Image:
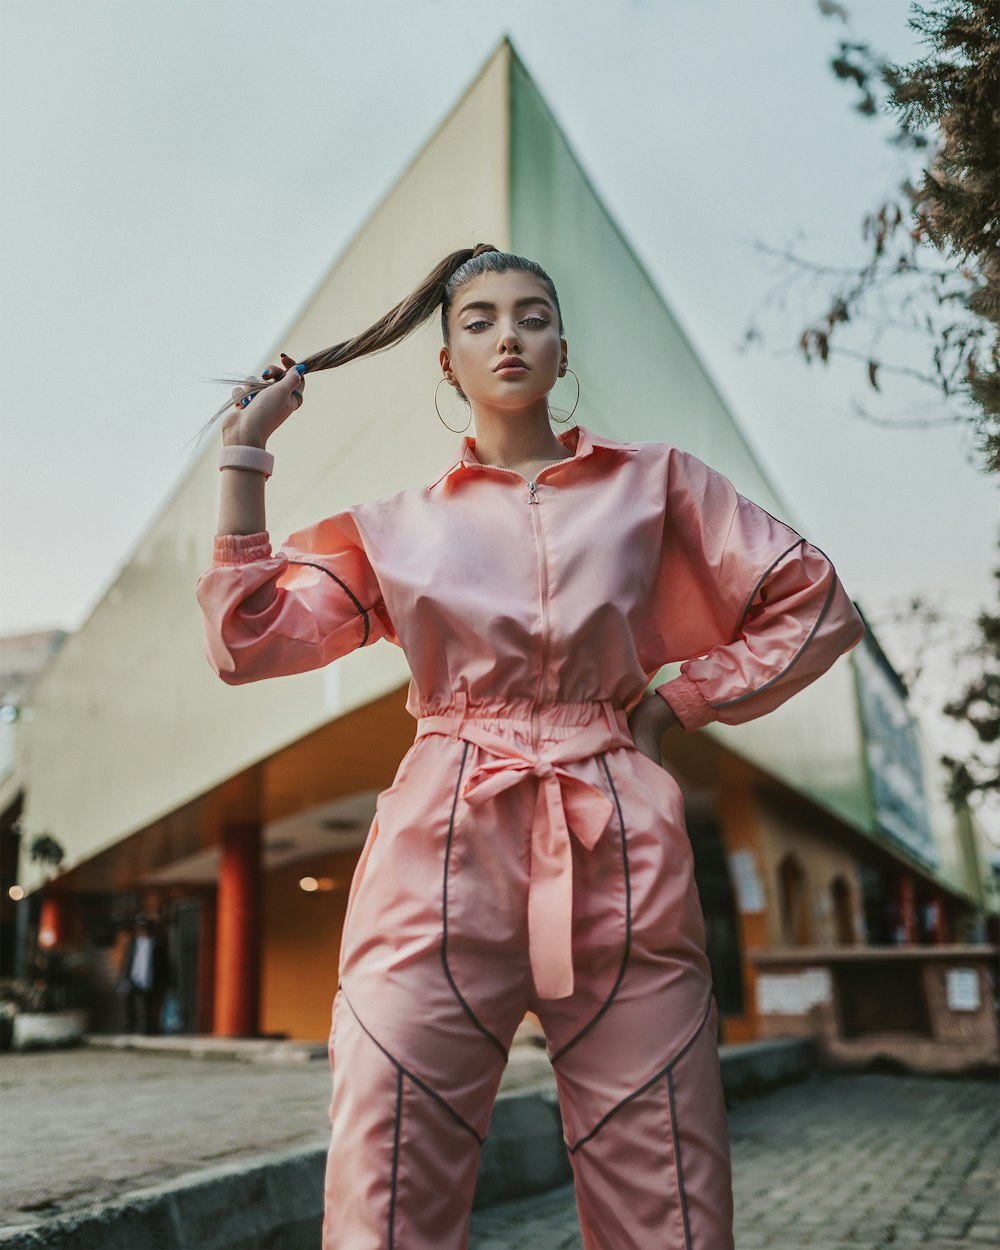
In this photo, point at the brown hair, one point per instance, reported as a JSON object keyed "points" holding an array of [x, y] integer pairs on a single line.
{"points": [[439, 287]]}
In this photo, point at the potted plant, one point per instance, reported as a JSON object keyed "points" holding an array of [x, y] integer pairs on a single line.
{"points": [[49, 1007]]}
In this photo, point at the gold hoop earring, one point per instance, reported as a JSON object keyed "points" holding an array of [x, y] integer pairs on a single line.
{"points": [[442, 420], [563, 420]]}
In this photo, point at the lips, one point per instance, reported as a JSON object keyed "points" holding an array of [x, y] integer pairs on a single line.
{"points": [[510, 362]]}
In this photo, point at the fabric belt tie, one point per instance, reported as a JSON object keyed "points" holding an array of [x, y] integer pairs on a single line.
{"points": [[565, 804]]}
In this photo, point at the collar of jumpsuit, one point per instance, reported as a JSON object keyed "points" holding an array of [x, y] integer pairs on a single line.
{"points": [[565, 805], [580, 440]]}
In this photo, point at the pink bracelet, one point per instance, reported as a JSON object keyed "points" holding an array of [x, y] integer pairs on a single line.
{"points": [[237, 457]]}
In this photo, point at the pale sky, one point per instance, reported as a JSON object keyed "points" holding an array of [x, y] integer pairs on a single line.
{"points": [[178, 175]]}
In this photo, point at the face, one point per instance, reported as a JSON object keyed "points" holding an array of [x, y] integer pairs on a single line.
{"points": [[512, 314]]}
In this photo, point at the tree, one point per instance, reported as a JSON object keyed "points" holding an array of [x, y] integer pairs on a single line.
{"points": [[979, 707], [935, 270], [934, 265]]}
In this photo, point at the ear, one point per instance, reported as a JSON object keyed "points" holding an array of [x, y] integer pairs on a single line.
{"points": [[564, 354], [445, 359]]}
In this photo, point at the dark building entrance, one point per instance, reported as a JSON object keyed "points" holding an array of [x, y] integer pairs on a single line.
{"points": [[722, 943]]}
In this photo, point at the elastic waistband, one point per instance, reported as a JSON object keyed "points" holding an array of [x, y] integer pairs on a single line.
{"points": [[523, 712]]}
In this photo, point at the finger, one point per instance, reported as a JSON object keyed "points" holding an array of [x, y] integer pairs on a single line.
{"points": [[293, 380]]}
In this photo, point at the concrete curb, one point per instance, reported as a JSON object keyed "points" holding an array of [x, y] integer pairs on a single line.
{"points": [[753, 1068], [248, 1050], [275, 1202], [234, 1206]]}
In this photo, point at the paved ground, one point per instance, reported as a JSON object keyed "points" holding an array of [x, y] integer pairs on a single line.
{"points": [[83, 1126], [835, 1161], [856, 1161]]}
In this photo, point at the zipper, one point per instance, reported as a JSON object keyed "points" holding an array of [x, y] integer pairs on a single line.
{"points": [[543, 584], [543, 581], [532, 496]]}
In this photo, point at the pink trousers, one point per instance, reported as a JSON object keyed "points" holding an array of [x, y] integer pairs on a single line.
{"points": [[521, 862]]}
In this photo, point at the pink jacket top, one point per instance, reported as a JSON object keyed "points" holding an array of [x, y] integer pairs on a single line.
{"points": [[576, 587]]}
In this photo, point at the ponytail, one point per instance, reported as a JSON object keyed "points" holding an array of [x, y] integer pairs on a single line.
{"points": [[438, 288]]}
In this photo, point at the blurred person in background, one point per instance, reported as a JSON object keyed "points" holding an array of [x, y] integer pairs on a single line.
{"points": [[143, 976]]}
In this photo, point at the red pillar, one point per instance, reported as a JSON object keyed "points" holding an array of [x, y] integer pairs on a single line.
{"points": [[54, 921], [237, 932]]}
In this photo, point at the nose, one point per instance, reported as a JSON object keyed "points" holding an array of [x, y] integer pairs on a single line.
{"points": [[509, 341]]}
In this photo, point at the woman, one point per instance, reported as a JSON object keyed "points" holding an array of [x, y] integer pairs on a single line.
{"points": [[531, 852]]}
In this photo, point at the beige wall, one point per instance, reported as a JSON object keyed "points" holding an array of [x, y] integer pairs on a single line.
{"points": [[641, 378], [130, 722]]}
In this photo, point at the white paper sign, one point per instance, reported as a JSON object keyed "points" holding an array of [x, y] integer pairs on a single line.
{"points": [[746, 883], [792, 994], [963, 989]]}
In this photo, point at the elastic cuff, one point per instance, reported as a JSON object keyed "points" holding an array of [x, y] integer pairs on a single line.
{"points": [[241, 548], [689, 704]]}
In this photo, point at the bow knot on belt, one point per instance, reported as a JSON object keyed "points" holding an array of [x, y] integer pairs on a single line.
{"points": [[571, 804], [565, 805]]}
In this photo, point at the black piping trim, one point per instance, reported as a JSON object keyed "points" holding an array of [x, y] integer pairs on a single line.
{"points": [[763, 577], [808, 639], [414, 1078], [776, 519], [395, 1156], [487, 1033], [628, 925], [347, 590], [642, 1088], [677, 1161]]}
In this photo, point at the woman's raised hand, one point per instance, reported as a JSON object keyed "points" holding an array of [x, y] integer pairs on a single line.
{"points": [[253, 423]]}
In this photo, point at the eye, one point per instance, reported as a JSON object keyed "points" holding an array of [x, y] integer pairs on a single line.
{"points": [[542, 321]]}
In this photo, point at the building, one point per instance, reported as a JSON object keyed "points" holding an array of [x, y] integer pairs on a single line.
{"points": [[237, 813]]}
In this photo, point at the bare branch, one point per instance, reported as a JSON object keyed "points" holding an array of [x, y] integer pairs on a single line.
{"points": [[903, 423]]}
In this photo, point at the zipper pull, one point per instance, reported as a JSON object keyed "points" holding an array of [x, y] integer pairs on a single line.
{"points": [[532, 493]]}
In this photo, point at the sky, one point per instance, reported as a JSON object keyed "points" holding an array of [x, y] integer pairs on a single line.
{"points": [[177, 176]]}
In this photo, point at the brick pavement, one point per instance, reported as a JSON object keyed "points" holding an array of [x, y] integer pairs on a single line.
{"points": [[859, 1161]]}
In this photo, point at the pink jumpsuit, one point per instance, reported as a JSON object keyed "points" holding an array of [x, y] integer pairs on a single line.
{"points": [[527, 855]]}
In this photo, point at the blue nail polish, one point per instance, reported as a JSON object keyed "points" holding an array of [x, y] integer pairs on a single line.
{"points": [[266, 373], [244, 402], [300, 368]]}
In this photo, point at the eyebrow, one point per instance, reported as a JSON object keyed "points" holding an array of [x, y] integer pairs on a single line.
{"points": [[528, 299]]}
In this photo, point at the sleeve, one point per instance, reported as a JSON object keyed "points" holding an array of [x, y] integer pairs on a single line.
{"points": [[754, 611], [326, 601]]}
